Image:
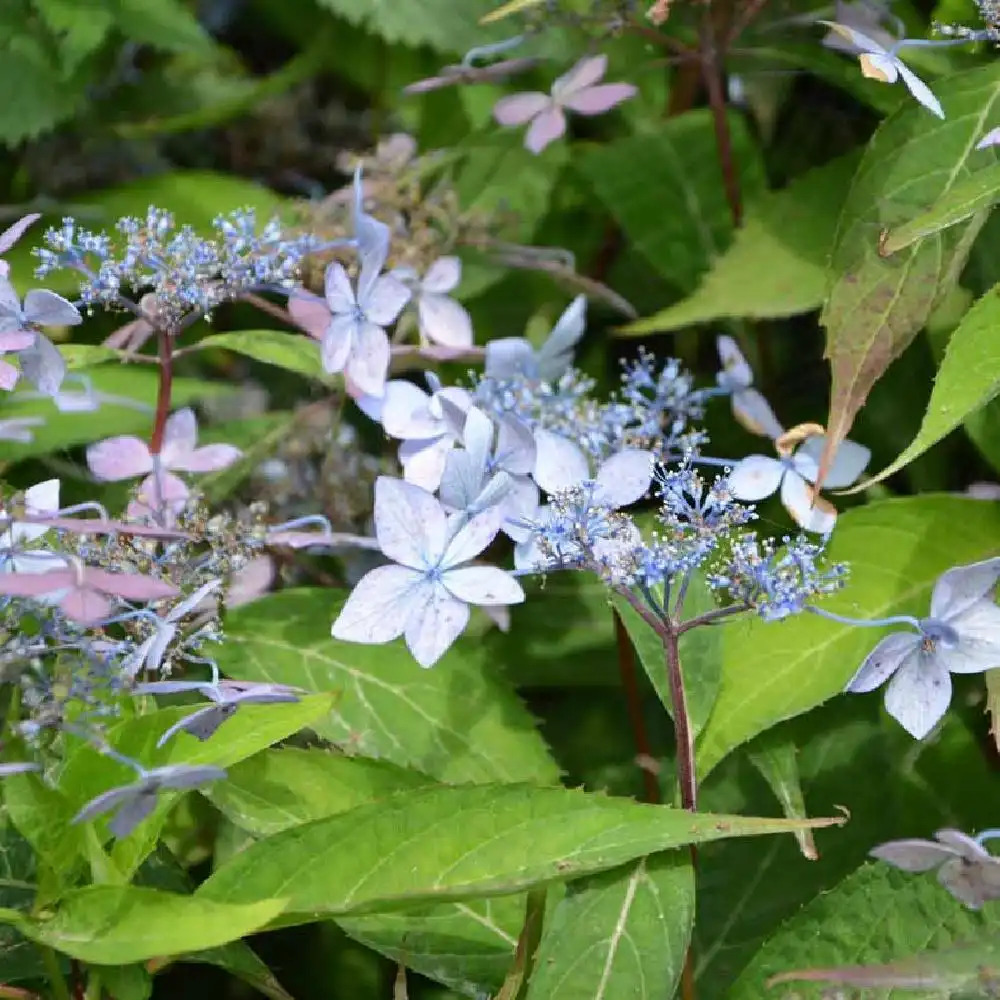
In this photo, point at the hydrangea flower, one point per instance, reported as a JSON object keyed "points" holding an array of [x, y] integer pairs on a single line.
{"points": [[750, 408], [578, 90], [509, 357], [18, 429], [757, 476], [40, 361], [961, 636], [424, 595], [39, 500], [486, 472], [150, 652], [11, 235], [126, 456], [134, 802], [354, 340], [965, 868], [881, 63], [442, 319], [428, 424], [992, 138], [83, 592], [227, 696]]}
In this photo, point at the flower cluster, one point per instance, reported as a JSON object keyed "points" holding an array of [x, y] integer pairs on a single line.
{"points": [[182, 274]]}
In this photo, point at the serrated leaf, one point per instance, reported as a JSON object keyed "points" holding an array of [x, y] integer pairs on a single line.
{"points": [[965, 199], [440, 24], [896, 549], [116, 925], [37, 96], [775, 756], [80, 25], [792, 230], [457, 722], [277, 789], [622, 935], [409, 849], [284, 349], [163, 24], [665, 190], [877, 914], [968, 379], [877, 304]]}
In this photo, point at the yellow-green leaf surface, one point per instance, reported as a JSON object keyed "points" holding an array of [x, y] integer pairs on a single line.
{"points": [[621, 935], [460, 842], [283, 348], [969, 377], [965, 199], [895, 549], [116, 925], [877, 303], [459, 721], [776, 264]]}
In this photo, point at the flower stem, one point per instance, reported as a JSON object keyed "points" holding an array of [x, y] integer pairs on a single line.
{"points": [[57, 981], [686, 776], [163, 391]]}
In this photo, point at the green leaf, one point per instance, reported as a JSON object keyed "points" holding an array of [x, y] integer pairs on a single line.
{"points": [[126, 982], [467, 945], [19, 958], [86, 355], [116, 925], [877, 914], [87, 772], [457, 722], [276, 789], [164, 24], [622, 935], [67, 430], [877, 304], [409, 848], [562, 635], [968, 197], [665, 190], [968, 379], [37, 97], [700, 655], [438, 24], [43, 815], [284, 349], [895, 549], [792, 230], [81, 26], [195, 197], [775, 756]]}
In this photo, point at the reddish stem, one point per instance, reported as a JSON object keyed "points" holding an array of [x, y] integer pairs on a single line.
{"points": [[164, 389], [626, 667]]}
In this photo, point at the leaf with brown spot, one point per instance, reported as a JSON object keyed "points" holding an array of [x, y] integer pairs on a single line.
{"points": [[877, 304]]}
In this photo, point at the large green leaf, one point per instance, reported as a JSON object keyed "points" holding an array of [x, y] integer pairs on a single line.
{"points": [[968, 379], [877, 303], [622, 935], [876, 915], [67, 430], [164, 24], [116, 925], [895, 549], [775, 756], [19, 958], [791, 230], [276, 789], [456, 722], [665, 190], [410, 849]]}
